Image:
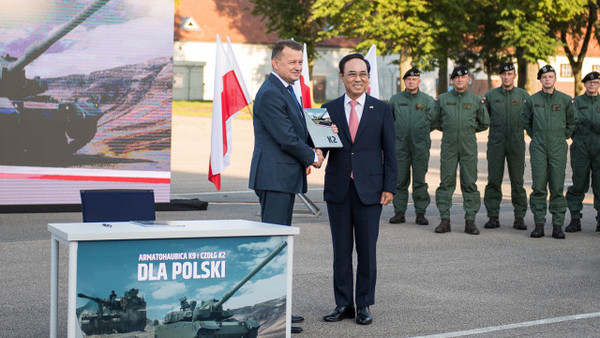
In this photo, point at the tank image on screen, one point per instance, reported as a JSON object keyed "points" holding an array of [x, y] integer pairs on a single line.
{"points": [[34, 126], [114, 315], [210, 319]]}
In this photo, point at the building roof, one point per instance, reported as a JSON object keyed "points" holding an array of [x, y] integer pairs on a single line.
{"points": [[231, 18]]}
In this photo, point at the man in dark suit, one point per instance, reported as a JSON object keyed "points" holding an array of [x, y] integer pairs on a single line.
{"points": [[281, 142], [360, 177]]}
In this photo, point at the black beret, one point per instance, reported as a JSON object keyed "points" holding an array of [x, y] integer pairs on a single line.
{"points": [[459, 71], [591, 76], [506, 67], [544, 70], [412, 72]]}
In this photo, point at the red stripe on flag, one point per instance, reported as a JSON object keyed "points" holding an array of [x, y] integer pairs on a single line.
{"points": [[306, 101], [8, 176], [215, 179], [232, 101]]}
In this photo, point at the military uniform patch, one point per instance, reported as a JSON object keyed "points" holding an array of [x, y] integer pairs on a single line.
{"points": [[420, 106], [451, 103], [598, 109], [514, 102], [467, 106], [539, 105], [556, 107], [498, 100], [403, 104]]}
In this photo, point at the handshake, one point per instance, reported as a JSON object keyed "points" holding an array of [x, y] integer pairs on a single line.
{"points": [[320, 158]]}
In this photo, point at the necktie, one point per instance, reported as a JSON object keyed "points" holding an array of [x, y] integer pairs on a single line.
{"points": [[291, 90], [353, 123]]}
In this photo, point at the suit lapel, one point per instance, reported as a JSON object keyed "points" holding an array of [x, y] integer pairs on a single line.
{"points": [[342, 122], [294, 113]]}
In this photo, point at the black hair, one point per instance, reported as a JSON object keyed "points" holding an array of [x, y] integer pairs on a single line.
{"points": [[353, 56]]}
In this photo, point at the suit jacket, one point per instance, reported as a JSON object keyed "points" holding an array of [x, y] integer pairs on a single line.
{"points": [[371, 158], [281, 141]]}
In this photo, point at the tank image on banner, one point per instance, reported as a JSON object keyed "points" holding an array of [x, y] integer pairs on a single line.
{"points": [[85, 85], [207, 287]]}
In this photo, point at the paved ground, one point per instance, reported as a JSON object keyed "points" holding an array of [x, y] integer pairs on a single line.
{"points": [[498, 284]]}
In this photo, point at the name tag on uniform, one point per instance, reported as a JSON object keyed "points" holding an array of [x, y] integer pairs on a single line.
{"points": [[419, 106], [498, 100], [403, 104], [451, 103], [539, 105], [556, 107], [515, 102], [585, 107], [467, 106], [598, 109]]}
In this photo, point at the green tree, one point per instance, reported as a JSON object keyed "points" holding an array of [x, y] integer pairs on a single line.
{"points": [[291, 19], [394, 26], [575, 35], [527, 29]]}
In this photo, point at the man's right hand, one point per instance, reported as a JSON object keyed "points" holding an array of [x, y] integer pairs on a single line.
{"points": [[320, 159]]}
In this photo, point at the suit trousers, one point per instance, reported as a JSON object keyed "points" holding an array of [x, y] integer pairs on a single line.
{"points": [[353, 222], [276, 206]]}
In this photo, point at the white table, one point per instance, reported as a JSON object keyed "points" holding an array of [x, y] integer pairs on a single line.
{"points": [[71, 234]]}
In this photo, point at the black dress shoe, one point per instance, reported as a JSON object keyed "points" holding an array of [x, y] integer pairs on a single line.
{"points": [[363, 317], [296, 329], [339, 313], [297, 319]]}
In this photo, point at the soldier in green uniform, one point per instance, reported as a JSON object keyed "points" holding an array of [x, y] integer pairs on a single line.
{"points": [[459, 114], [412, 115], [549, 119], [585, 152], [505, 142]]}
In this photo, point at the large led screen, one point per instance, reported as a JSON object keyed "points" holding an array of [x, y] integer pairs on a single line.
{"points": [[85, 98]]}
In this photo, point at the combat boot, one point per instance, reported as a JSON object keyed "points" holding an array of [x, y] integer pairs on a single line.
{"points": [[398, 218], [470, 227], [421, 220], [538, 231], [574, 226], [557, 232], [519, 224], [444, 226], [494, 222]]}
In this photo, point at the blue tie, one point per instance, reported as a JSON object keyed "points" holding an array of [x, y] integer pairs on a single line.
{"points": [[291, 90]]}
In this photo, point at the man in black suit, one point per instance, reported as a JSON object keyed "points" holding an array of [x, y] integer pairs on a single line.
{"points": [[360, 177], [281, 142]]}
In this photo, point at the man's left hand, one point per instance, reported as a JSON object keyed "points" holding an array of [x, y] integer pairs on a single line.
{"points": [[386, 198]]}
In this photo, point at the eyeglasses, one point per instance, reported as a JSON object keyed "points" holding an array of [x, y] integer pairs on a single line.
{"points": [[354, 75], [593, 82]]}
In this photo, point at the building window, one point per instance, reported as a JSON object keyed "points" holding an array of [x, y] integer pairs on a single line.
{"points": [[565, 70], [595, 68]]}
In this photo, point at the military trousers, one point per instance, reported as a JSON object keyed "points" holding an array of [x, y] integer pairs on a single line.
{"points": [[418, 161], [548, 173], [583, 163], [450, 159], [514, 154]]}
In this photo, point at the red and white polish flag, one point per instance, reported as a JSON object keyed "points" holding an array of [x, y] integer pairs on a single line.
{"points": [[231, 96]]}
